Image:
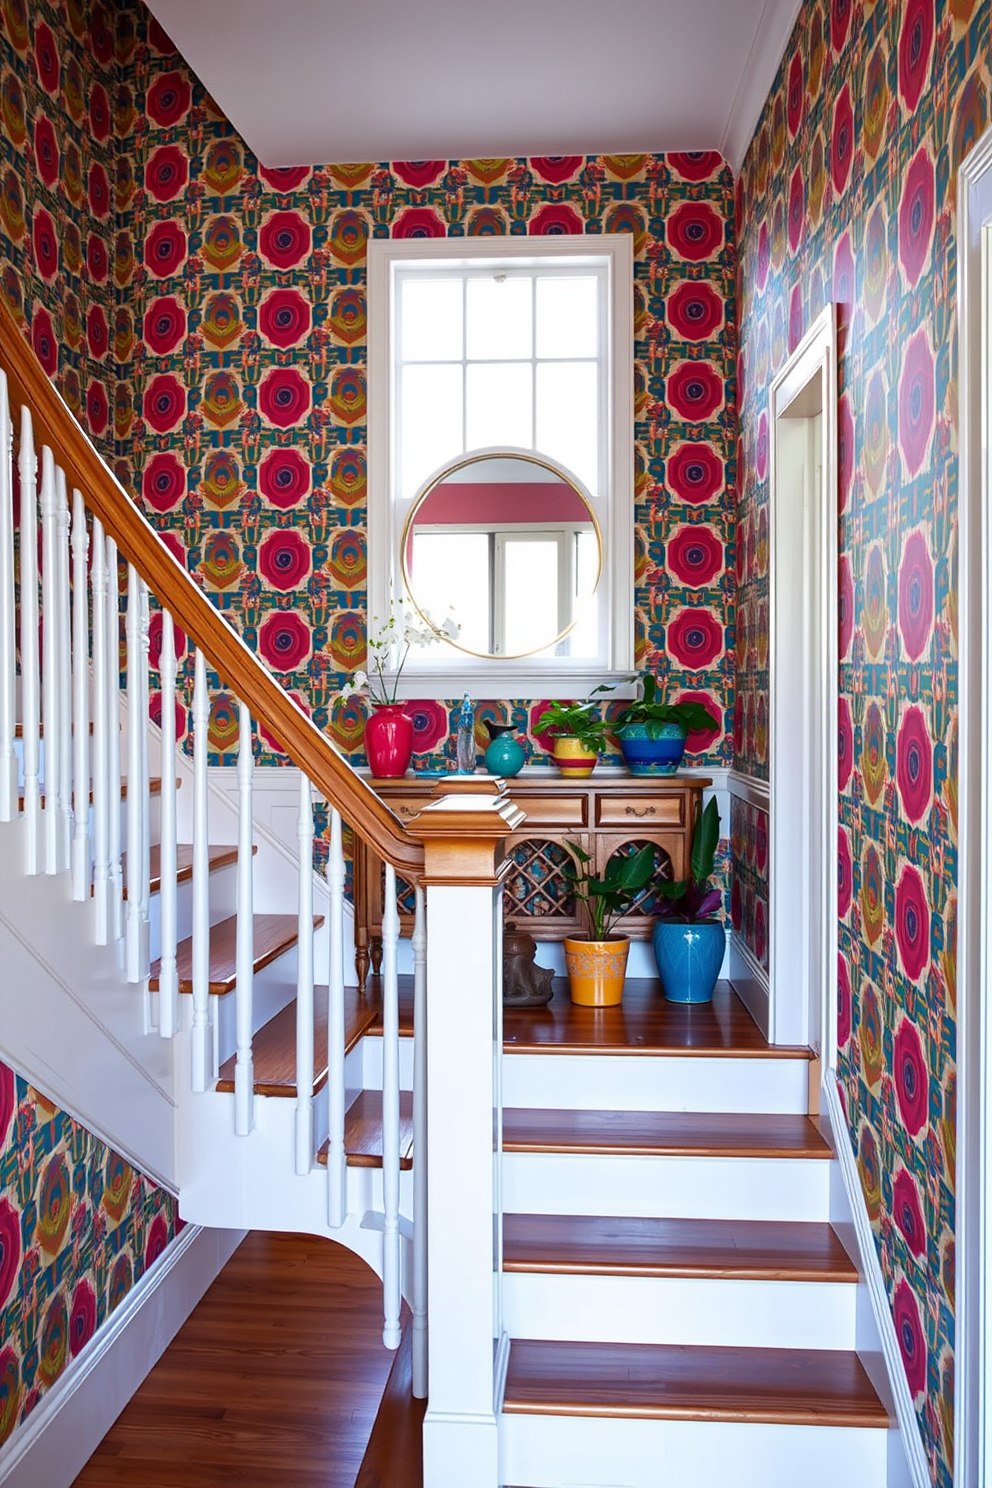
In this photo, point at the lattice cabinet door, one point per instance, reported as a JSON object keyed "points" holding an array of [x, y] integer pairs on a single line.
{"points": [[536, 891], [640, 923]]}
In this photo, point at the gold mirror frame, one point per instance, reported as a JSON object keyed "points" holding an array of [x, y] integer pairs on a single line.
{"points": [[452, 468]]}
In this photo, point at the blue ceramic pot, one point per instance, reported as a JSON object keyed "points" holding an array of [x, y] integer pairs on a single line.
{"points": [[505, 755], [689, 958], [646, 756]]}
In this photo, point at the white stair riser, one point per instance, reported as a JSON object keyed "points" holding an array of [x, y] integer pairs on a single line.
{"points": [[372, 1062], [273, 988], [710, 1312], [646, 1082], [591, 1452], [666, 1187], [223, 894]]}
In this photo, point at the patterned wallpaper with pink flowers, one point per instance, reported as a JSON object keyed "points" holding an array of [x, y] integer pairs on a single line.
{"points": [[847, 195], [78, 1227]]}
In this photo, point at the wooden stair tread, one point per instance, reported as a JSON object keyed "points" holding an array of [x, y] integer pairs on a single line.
{"points": [[217, 857], [668, 1133], [643, 1023], [273, 934], [274, 1045], [813, 1387], [154, 789], [766, 1250], [363, 1131]]}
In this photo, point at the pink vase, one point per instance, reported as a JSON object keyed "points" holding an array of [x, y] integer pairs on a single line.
{"points": [[388, 740]]}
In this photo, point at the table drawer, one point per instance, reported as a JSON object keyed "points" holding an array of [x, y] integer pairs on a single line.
{"points": [[551, 811], [655, 811]]}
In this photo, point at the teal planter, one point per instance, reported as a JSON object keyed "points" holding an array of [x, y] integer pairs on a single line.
{"points": [[646, 756], [505, 755], [689, 958]]}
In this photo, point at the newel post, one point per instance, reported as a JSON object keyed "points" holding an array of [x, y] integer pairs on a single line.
{"points": [[463, 833]]}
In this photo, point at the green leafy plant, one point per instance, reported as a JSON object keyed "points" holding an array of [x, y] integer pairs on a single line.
{"points": [[579, 720], [692, 899], [624, 884], [651, 711]]}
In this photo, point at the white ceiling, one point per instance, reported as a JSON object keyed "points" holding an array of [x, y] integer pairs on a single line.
{"points": [[316, 81]]}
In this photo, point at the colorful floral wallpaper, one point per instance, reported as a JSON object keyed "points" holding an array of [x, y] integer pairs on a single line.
{"points": [[78, 1227], [749, 881], [847, 195]]}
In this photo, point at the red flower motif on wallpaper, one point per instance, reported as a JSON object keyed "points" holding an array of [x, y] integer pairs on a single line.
{"points": [[695, 231], [164, 325], [796, 96], [46, 150], [97, 332], [912, 932], [97, 409], [914, 764], [797, 209], [695, 310], [917, 399], [843, 1002], [845, 744], [101, 35], [430, 724], [695, 391], [82, 1317], [46, 56], [797, 317], [96, 258], [845, 873], [698, 741], [43, 340], [46, 245], [695, 638], [167, 173], [418, 222], [907, 1210], [695, 165], [156, 625], [840, 24], [284, 178], [764, 256], [916, 601], [168, 99], [99, 113], [694, 555], [553, 220], [284, 396], [10, 1249], [916, 215], [285, 239], [158, 1239], [284, 317], [695, 473], [556, 168], [284, 558], [418, 173], [164, 402], [842, 141], [915, 51], [165, 249], [163, 483], [99, 190], [180, 719], [284, 640], [284, 477]]}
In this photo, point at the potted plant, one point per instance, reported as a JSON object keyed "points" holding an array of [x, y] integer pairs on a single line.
{"points": [[579, 735], [689, 939], [597, 964], [652, 734]]}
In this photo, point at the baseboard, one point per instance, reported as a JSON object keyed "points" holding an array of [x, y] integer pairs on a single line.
{"points": [[881, 1356], [750, 981], [72, 1418]]}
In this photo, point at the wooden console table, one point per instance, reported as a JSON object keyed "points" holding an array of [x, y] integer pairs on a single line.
{"points": [[612, 811]]}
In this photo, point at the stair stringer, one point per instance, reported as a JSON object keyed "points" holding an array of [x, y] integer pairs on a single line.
{"points": [[71, 1024], [875, 1335]]}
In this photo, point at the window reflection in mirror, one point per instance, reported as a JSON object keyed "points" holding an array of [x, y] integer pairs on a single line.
{"points": [[508, 546]]}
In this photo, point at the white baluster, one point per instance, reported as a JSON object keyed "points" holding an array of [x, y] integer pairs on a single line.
{"points": [[113, 706], [201, 1053], [81, 849], [304, 986], [136, 923], [64, 670], [390, 1116], [8, 611], [102, 800], [30, 676], [50, 660], [337, 1165], [168, 986], [419, 946], [244, 1069]]}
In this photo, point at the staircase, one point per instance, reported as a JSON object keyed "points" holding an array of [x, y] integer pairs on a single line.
{"points": [[635, 1285]]}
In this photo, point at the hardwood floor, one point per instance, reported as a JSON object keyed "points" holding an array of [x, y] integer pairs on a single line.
{"points": [[275, 1379]]}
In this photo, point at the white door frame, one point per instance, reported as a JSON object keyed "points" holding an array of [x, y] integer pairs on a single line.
{"points": [[803, 697], [973, 1237]]}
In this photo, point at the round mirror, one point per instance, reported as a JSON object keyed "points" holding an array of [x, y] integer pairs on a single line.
{"points": [[507, 546]]}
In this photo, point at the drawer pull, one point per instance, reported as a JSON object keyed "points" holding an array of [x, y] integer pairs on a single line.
{"points": [[641, 811]]}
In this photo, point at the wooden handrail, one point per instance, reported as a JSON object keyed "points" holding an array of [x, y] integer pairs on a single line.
{"points": [[172, 586]]}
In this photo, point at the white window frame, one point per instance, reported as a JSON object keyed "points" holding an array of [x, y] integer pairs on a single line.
{"points": [[525, 678]]}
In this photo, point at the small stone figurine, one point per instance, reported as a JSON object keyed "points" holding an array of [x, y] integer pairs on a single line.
{"points": [[525, 984]]}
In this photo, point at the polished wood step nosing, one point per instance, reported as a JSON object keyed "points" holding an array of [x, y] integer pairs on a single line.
{"points": [[712, 1249], [663, 1134], [274, 1046], [363, 1131], [274, 934]]}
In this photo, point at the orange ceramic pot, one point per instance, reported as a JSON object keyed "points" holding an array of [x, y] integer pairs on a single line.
{"points": [[572, 758], [596, 970]]}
